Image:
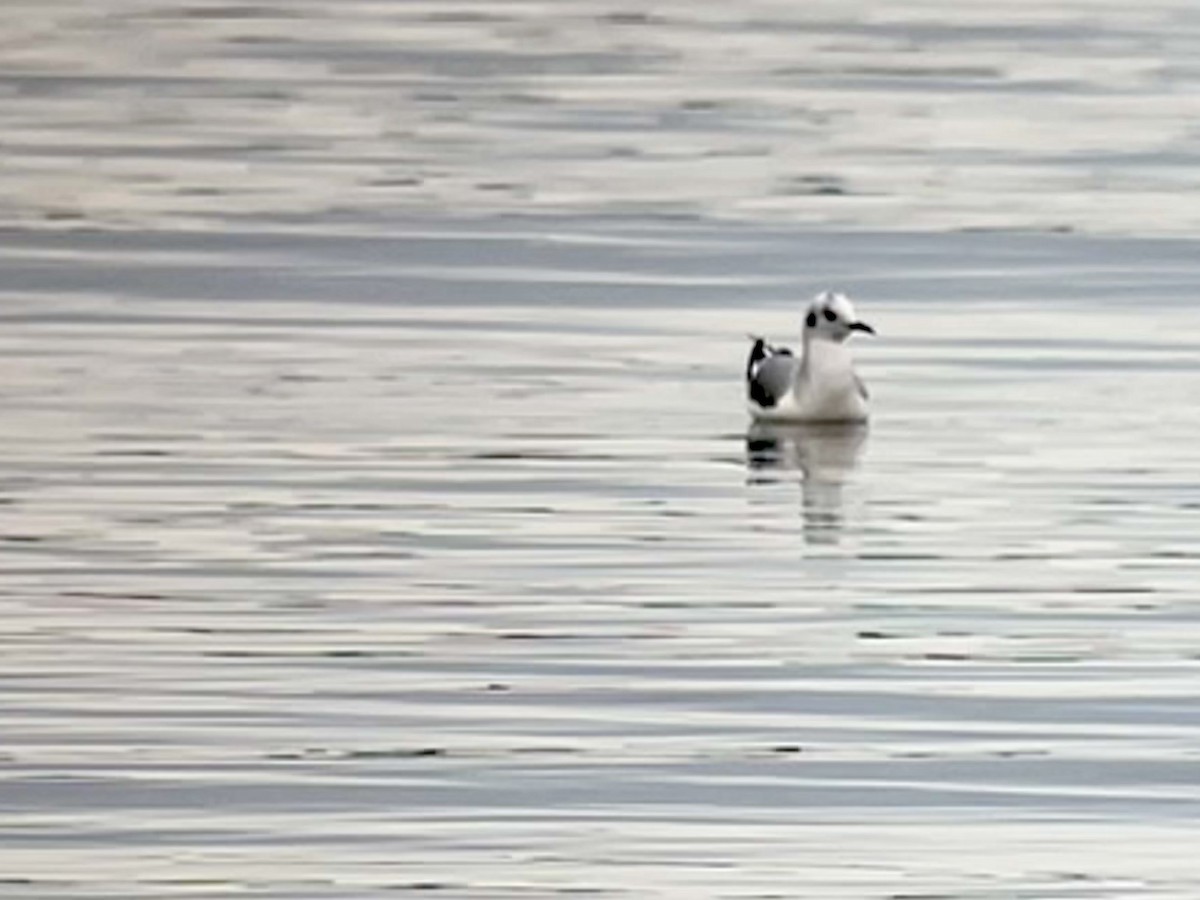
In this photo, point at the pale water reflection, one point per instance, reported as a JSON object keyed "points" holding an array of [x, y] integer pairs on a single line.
{"points": [[822, 456], [929, 115]]}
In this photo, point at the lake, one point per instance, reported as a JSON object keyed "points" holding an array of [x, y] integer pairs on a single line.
{"points": [[379, 512]]}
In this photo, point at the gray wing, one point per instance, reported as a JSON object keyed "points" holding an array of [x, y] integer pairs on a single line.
{"points": [[771, 378], [862, 388]]}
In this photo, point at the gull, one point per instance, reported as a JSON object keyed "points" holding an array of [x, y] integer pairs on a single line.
{"points": [[821, 385]]}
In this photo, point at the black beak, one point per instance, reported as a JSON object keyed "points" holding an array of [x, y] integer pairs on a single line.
{"points": [[861, 326]]}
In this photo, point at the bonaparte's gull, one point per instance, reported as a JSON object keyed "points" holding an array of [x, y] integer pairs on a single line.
{"points": [[821, 385]]}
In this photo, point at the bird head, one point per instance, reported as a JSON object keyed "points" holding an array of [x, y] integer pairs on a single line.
{"points": [[831, 317]]}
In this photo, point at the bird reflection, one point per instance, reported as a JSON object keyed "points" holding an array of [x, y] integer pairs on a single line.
{"points": [[824, 456]]}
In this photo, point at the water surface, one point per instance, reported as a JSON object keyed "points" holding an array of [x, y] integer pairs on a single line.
{"points": [[378, 511]]}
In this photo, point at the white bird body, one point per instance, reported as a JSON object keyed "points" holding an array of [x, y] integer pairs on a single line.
{"points": [[820, 386]]}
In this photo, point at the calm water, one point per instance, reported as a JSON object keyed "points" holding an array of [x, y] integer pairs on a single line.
{"points": [[378, 511]]}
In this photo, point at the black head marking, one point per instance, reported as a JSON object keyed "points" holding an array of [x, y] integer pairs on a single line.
{"points": [[829, 314], [811, 319]]}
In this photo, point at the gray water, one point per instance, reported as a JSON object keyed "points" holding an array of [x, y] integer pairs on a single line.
{"points": [[378, 511]]}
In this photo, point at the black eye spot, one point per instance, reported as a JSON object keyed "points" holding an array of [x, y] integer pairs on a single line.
{"points": [[830, 315], [811, 320]]}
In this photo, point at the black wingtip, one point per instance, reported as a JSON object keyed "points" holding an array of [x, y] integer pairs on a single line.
{"points": [[757, 354]]}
